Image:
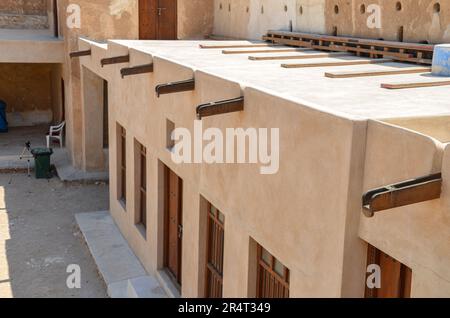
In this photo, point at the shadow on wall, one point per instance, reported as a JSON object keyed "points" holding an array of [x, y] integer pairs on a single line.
{"points": [[31, 92]]}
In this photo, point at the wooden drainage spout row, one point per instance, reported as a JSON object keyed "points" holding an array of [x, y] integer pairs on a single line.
{"points": [[402, 194], [221, 107], [204, 110], [115, 60], [80, 53], [135, 70], [175, 87]]}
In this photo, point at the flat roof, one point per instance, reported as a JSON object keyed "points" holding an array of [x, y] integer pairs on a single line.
{"points": [[360, 96]]}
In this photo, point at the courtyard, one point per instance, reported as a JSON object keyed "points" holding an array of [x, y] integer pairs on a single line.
{"points": [[39, 238]]}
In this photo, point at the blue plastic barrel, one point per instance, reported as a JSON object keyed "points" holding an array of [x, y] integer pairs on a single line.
{"points": [[3, 121]]}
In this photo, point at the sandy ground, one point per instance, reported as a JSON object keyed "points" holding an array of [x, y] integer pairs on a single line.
{"points": [[39, 238]]}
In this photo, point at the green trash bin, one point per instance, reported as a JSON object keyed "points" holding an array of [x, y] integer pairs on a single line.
{"points": [[42, 162]]}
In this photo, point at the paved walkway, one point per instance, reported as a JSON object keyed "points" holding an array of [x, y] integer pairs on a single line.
{"points": [[124, 275]]}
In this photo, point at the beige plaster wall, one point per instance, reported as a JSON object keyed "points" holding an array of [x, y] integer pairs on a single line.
{"points": [[245, 19], [195, 18], [436, 127], [420, 21], [301, 228], [311, 219], [415, 235]]}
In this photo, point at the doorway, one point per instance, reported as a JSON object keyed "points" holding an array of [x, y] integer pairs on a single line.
{"points": [[157, 19], [173, 225]]}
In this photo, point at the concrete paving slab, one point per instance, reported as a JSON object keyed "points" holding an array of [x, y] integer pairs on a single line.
{"points": [[118, 290], [67, 173], [118, 265], [115, 259], [145, 287]]}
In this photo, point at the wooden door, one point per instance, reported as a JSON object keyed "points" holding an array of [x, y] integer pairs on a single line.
{"points": [[167, 19], [395, 276], [174, 225], [158, 19]]}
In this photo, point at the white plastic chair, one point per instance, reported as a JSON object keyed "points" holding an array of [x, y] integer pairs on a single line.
{"points": [[56, 132]]}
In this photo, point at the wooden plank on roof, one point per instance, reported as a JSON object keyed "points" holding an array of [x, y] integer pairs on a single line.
{"points": [[297, 57], [266, 51], [367, 73], [338, 63], [231, 46], [404, 85]]}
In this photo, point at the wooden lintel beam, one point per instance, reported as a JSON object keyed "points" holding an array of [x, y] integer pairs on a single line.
{"points": [[403, 85], [135, 70], [175, 87], [337, 63], [393, 71], [402, 194], [115, 60], [221, 107], [80, 53]]}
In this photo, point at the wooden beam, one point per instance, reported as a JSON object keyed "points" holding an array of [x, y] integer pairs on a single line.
{"points": [[222, 46], [404, 85], [175, 87], [221, 107], [296, 57], [402, 194], [135, 70], [266, 51], [337, 63], [115, 60], [393, 71], [371, 51], [80, 53]]}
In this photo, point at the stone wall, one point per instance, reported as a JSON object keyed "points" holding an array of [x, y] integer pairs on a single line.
{"points": [[29, 7], [24, 14]]}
